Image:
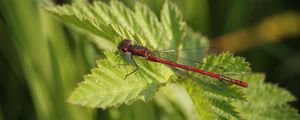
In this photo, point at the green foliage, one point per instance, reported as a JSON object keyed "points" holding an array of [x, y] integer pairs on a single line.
{"points": [[217, 96], [266, 101], [105, 86], [115, 21], [41, 68]]}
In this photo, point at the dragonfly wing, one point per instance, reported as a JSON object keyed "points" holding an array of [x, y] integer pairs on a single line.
{"points": [[186, 57]]}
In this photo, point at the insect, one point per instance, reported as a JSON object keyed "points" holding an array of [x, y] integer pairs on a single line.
{"points": [[130, 50]]}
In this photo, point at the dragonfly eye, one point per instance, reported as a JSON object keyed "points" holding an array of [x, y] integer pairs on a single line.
{"points": [[124, 45], [124, 49]]}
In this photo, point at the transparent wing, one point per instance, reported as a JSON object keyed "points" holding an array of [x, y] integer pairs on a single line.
{"points": [[187, 56]]}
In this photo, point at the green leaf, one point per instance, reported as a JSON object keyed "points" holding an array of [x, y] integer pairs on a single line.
{"points": [[113, 23], [211, 97], [106, 87], [173, 25], [266, 101]]}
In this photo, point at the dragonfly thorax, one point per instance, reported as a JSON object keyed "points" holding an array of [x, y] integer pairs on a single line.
{"points": [[126, 47]]}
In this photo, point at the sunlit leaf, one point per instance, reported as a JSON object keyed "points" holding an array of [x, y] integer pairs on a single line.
{"points": [[212, 97], [106, 87], [266, 101]]}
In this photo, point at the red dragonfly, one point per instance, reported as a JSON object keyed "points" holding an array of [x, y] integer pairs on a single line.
{"points": [[129, 49]]}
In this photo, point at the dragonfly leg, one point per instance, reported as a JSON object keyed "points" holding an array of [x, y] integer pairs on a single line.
{"points": [[131, 73], [136, 68]]}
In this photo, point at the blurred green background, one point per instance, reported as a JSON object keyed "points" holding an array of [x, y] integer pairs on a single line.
{"points": [[42, 60]]}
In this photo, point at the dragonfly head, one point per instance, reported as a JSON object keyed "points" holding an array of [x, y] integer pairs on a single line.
{"points": [[124, 45]]}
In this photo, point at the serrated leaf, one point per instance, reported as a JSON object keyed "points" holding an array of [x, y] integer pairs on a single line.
{"points": [[106, 87], [173, 25], [115, 22], [266, 101], [211, 97], [107, 21]]}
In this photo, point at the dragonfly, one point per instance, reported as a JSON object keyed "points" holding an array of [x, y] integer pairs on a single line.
{"points": [[129, 49]]}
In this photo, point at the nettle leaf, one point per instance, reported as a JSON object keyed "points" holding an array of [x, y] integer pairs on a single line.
{"points": [[113, 23], [266, 101], [105, 86], [212, 97], [173, 25]]}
